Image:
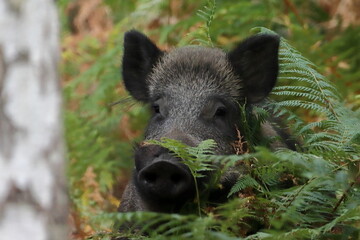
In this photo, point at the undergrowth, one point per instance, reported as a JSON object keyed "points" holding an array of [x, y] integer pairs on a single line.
{"points": [[311, 193]]}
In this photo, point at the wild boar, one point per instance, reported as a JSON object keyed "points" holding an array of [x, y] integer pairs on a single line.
{"points": [[194, 93]]}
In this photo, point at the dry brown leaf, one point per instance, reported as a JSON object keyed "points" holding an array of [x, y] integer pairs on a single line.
{"points": [[127, 133], [90, 17], [343, 13], [92, 186], [240, 145]]}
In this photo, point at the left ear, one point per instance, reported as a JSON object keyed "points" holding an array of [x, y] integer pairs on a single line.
{"points": [[255, 60]]}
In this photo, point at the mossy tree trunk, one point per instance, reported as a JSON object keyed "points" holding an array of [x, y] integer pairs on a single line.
{"points": [[33, 201]]}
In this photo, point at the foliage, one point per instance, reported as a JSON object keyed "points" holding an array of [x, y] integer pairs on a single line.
{"points": [[305, 194], [202, 35], [196, 158], [309, 194]]}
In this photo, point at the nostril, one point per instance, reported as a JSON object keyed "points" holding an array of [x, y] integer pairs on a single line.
{"points": [[176, 178], [150, 177]]}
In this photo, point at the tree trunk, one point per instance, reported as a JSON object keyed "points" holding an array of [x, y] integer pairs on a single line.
{"points": [[33, 202]]}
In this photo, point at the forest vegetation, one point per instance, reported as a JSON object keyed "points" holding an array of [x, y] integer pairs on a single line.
{"points": [[311, 193]]}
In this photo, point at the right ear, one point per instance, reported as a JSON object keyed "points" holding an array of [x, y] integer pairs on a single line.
{"points": [[140, 56], [255, 60]]}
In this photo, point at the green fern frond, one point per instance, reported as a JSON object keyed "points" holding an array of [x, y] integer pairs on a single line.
{"points": [[295, 89], [165, 226], [244, 182], [293, 63], [305, 105], [228, 161], [321, 136], [324, 124], [196, 158], [311, 91], [349, 215], [307, 95], [207, 14], [202, 35]]}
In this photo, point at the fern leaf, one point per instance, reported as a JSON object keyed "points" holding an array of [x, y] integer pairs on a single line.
{"points": [[244, 182]]}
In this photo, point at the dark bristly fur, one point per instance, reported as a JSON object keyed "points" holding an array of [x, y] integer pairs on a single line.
{"points": [[138, 63]]}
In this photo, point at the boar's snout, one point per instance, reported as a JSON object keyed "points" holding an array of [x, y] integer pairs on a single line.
{"points": [[162, 177], [165, 179]]}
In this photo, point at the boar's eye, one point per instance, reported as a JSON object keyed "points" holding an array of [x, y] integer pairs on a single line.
{"points": [[159, 109], [221, 112], [156, 108]]}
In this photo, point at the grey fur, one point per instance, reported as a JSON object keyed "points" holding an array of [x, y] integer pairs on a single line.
{"points": [[197, 69], [188, 76]]}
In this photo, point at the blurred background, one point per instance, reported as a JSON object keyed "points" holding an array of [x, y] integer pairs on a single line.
{"points": [[103, 123]]}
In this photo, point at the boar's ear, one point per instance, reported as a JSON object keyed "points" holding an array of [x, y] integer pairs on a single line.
{"points": [[140, 56], [255, 60]]}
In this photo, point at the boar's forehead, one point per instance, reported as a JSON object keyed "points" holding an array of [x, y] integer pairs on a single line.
{"points": [[195, 72]]}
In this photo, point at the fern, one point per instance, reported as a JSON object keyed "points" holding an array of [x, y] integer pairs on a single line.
{"points": [[295, 195], [202, 35], [196, 158], [309, 194], [310, 90], [244, 182], [208, 16], [162, 226]]}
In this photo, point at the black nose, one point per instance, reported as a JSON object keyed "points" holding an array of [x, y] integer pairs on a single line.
{"points": [[166, 180]]}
